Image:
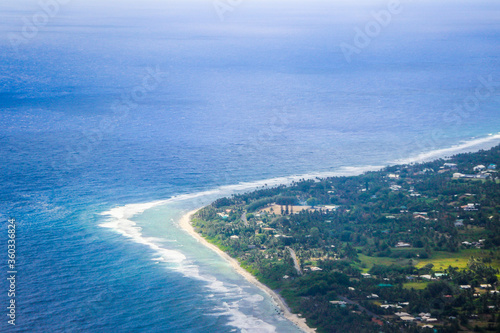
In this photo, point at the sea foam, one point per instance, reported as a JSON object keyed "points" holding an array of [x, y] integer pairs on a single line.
{"points": [[463, 147], [120, 220]]}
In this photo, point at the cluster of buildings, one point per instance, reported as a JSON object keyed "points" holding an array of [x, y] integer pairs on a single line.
{"points": [[470, 207], [477, 245], [482, 172], [423, 317]]}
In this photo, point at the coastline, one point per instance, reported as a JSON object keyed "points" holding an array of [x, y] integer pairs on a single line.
{"points": [[185, 224], [121, 219]]}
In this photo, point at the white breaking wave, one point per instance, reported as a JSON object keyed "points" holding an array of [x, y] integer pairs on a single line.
{"points": [[120, 220], [247, 323], [467, 146]]}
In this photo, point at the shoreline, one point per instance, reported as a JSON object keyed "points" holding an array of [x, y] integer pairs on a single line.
{"points": [[128, 211], [185, 224]]}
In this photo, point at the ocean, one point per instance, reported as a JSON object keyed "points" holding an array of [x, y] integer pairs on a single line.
{"points": [[118, 117]]}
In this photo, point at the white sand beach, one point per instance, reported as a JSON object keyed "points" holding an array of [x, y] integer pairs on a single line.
{"points": [[185, 224]]}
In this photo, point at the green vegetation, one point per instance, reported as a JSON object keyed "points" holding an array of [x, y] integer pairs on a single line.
{"points": [[420, 239], [415, 285]]}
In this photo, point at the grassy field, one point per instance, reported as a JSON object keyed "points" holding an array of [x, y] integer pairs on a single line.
{"points": [[368, 262], [441, 260], [415, 285]]}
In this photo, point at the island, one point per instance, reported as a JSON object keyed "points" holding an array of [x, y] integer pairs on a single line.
{"points": [[409, 248]]}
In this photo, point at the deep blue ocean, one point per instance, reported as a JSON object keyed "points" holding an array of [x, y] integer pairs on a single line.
{"points": [[117, 117]]}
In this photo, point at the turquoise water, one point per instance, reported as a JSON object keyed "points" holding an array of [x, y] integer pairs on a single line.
{"points": [[109, 105]]}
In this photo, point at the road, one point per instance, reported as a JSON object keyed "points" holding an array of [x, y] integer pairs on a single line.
{"points": [[244, 218], [295, 260]]}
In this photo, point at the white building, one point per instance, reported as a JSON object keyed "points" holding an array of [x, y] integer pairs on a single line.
{"points": [[479, 167]]}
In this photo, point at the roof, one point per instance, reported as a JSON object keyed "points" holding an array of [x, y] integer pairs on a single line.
{"points": [[401, 314]]}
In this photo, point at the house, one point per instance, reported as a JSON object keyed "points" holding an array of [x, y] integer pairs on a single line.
{"points": [[402, 314], [338, 303], [459, 223], [465, 286], [234, 237], [492, 166], [402, 244], [469, 207], [372, 296], [365, 275], [479, 167], [451, 166], [485, 286], [482, 176]]}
